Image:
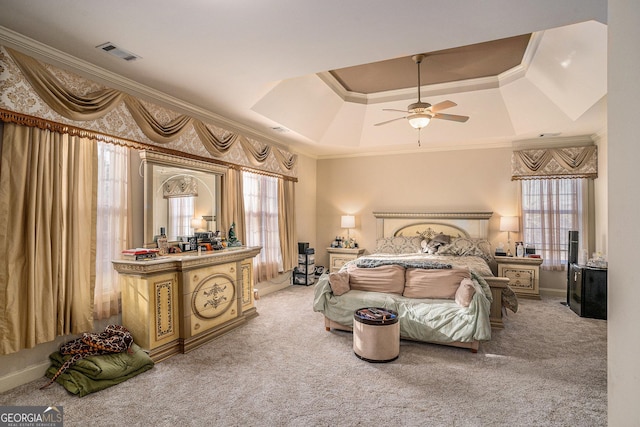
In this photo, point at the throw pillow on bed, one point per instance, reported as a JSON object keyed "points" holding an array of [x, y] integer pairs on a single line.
{"points": [[339, 282], [385, 278], [465, 292], [433, 283]]}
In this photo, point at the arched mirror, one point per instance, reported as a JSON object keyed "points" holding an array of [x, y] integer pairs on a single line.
{"points": [[182, 196]]}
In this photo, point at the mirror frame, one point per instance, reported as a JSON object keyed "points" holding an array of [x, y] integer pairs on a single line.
{"points": [[153, 158]]}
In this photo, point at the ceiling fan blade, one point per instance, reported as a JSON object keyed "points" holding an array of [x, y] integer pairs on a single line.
{"points": [[452, 117], [389, 121], [392, 109], [442, 106]]}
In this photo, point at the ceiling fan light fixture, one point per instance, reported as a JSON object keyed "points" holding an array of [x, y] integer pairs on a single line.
{"points": [[419, 120]]}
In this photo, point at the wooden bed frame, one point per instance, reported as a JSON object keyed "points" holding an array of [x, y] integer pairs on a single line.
{"points": [[466, 224]]}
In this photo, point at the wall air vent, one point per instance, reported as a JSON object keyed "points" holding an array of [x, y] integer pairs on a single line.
{"points": [[114, 50]]}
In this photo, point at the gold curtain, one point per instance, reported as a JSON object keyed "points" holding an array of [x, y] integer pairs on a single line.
{"points": [[233, 206], [287, 224], [99, 103], [47, 236]]}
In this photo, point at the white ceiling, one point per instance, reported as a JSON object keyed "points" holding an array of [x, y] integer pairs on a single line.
{"points": [[254, 66]]}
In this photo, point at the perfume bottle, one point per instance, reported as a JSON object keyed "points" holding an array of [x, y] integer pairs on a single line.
{"points": [[520, 250]]}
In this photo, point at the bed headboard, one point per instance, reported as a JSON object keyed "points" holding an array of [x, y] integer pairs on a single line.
{"points": [[463, 224]]}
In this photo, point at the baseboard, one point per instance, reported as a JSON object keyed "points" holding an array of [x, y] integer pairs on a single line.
{"points": [[268, 287], [551, 292], [273, 285], [24, 376]]}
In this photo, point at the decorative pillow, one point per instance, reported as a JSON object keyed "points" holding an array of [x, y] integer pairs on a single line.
{"points": [[434, 244], [433, 283], [386, 278], [464, 246], [465, 293], [398, 245], [339, 282]]}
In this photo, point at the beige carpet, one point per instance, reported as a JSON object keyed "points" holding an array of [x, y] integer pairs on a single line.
{"points": [[546, 368]]}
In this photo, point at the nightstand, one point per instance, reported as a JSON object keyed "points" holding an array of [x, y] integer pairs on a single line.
{"points": [[340, 256], [523, 274]]}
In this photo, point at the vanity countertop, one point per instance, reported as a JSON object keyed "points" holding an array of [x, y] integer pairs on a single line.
{"points": [[187, 260]]}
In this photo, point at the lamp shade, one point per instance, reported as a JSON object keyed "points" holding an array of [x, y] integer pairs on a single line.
{"points": [[419, 120], [348, 221], [509, 223], [197, 223]]}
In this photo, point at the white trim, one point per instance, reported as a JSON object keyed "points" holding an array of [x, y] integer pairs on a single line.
{"points": [[24, 376]]}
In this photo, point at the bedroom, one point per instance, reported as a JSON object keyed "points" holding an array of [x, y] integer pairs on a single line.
{"points": [[321, 178]]}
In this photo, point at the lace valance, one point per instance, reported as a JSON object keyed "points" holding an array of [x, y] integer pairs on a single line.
{"points": [[555, 163]]}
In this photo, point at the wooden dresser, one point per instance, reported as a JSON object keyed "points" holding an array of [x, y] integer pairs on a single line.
{"points": [[176, 303]]}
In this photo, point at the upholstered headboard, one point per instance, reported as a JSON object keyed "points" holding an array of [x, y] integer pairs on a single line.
{"points": [[463, 224]]}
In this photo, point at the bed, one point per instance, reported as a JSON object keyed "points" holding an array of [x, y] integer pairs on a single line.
{"points": [[425, 240], [418, 227]]}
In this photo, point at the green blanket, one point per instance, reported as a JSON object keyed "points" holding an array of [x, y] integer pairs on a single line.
{"points": [[96, 373]]}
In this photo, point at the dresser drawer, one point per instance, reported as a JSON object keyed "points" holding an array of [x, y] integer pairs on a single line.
{"points": [[195, 277]]}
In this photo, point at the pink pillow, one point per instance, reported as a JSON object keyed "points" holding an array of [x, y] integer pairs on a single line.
{"points": [[465, 293], [433, 283], [339, 282], [385, 278]]}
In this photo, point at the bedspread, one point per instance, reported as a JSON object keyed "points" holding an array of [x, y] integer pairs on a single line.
{"points": [[429, 320]]}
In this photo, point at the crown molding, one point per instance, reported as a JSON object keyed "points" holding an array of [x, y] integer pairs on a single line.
{"points": [[555, 142]]}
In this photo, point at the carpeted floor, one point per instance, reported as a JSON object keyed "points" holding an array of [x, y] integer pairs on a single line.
{"points": [[548, 367]]}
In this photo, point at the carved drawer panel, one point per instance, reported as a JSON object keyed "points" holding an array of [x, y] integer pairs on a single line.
{"points": [[197, 276], [213, 301], [520, 278]]}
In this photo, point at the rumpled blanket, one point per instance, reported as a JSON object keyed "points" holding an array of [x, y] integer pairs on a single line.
{"points": [[372, 263], [96, 373]]}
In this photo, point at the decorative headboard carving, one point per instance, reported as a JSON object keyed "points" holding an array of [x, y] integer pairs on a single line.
{"points": [[467, 224], [427, 230]]}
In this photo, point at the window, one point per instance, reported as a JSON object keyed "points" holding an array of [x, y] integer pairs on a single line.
{"points": [[111, 225], [181, 211], [261, 222], [550, 209]]}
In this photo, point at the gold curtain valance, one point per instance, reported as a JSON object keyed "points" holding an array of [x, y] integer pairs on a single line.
{"points": [[555, 163], [96, 104]]}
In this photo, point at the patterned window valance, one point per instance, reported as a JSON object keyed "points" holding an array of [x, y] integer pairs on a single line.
{"points": [[182, 186], [97, 104], [555, 163]]}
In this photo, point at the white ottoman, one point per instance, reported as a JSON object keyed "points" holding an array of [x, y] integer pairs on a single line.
{"points": [[376, 334]]}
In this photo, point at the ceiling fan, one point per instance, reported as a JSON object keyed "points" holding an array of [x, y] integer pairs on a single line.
{"points": [[420, 113]]}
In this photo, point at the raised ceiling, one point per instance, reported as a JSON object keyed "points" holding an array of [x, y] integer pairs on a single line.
{"points": [[263, 69], [445, 66]]}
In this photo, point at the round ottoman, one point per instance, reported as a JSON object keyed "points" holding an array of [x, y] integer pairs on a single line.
{"points": [[376, 334]]}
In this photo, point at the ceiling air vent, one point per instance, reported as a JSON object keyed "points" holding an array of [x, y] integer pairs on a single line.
{"points": [[116, 51], [280, 129]]}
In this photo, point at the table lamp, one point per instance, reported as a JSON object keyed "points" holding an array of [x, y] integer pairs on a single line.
{"points": [[348, 222], [509, 224]]}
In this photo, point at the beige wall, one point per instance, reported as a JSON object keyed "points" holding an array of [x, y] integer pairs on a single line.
{"points": [[624, 210], [470, 180]]}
